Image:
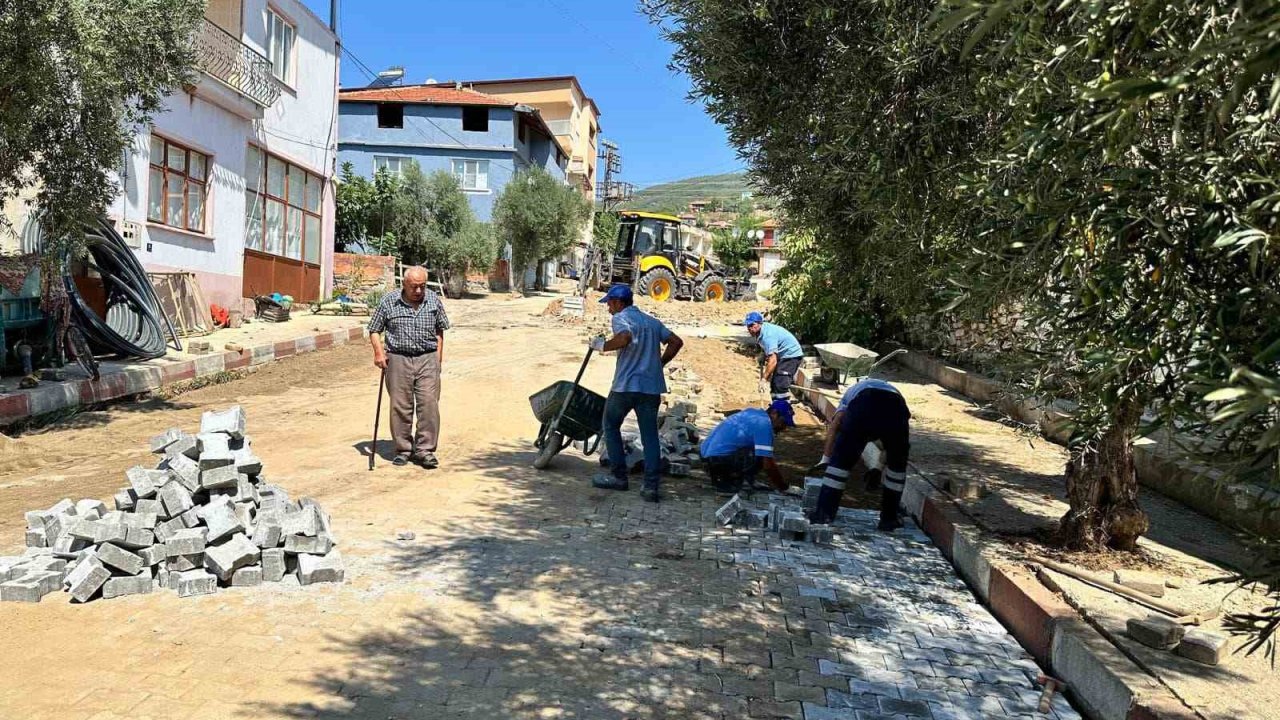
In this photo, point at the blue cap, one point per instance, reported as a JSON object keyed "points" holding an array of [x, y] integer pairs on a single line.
{"points": [[783, 407], [754, 317], [617, 292]]}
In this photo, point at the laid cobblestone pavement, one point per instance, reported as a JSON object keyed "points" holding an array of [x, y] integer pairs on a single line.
{"points": [[709, 622]]}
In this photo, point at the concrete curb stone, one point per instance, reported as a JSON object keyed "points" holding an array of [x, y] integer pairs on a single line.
{"points": [[134, 380]]}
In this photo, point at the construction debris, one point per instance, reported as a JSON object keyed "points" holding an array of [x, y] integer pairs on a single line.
{"points": [[677, 429], [204, 518], [781, 517]]}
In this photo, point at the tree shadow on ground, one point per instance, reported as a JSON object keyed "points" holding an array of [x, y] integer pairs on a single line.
{"points": [[1029, 504], [574, 602]]}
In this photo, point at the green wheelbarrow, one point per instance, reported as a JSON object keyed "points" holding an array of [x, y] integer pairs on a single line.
{"points": [[568, 413]]}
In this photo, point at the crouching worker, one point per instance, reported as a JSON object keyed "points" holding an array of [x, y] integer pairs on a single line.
{"points": [[740, 446], [872, 411]]}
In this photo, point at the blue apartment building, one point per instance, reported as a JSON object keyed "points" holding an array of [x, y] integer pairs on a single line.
{"points": [[482, 139]]}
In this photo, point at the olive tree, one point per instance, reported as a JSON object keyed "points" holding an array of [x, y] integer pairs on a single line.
{"points": [[435, 226], [539, 216], [79, 77], [1108, 168]]}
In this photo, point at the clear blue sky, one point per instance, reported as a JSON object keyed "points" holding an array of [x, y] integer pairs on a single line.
{"points": [[619, 58]]}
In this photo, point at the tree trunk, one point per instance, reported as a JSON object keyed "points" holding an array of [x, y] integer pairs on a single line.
{"points": [[1102, 488]]}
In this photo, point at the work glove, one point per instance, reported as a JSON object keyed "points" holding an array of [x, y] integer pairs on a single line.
{"points": [[597, 343], [763, 386]]}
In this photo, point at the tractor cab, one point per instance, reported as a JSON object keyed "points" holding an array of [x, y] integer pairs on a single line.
{"points": [[651, 256]]}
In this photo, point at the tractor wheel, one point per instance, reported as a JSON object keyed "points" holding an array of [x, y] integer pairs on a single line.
{"points": [[712, 290], [658, 284]]}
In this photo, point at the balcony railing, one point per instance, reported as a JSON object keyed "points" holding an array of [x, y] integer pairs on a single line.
{"points": [[236, 65]]}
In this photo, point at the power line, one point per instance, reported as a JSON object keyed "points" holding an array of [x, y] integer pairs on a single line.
{"points": [[603, 41]]}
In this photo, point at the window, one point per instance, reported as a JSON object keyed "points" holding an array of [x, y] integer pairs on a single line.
{"points": [[475, 119], [393, 164], [473, 174], [390, 115], [280, 37], [177, 185], [283, 202], [671, 238]]}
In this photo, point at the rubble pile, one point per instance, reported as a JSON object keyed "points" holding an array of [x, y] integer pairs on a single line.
{"points": [[781, 517], [204, 518]]}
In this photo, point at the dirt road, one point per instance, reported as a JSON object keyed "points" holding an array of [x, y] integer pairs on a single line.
{"points": [[524, 594]]}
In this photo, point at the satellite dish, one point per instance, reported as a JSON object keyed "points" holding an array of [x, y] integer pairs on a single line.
{"points": [[431, 81]]}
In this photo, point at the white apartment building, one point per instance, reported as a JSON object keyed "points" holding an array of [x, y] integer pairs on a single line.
{"points": [[234, 180]]}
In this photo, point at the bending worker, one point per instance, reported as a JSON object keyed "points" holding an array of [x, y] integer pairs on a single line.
{"points": [[740, 446], [638, 385], [782, 355], [870, 411]]}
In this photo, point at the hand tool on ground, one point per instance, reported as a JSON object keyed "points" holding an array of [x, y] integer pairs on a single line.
{"points": [[819, 391], [377, 418], [1199, 618], [1135, 595], [1051, 685]]}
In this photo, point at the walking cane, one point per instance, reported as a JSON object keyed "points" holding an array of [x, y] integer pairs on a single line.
{"points": [[377, 418]]}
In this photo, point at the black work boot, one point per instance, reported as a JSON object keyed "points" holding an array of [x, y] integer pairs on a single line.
{"points": [[649, 492], [606, 481], [889, 500], [872, 480]]}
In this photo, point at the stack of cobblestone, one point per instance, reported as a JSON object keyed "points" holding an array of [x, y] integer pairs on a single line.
{"points": [[783, 517], [204, 518], [677, 429]]}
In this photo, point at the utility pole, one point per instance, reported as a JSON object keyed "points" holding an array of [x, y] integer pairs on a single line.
{"points": [[610, 192]]}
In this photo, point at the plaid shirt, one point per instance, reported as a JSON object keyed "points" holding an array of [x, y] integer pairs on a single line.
{"points": [[409, 331]]}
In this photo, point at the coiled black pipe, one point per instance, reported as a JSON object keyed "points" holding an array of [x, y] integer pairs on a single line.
{"points": [[135, 323]]}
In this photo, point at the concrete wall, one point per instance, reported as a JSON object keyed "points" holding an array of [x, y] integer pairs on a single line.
{"points": [[557, 100], [300, 127], [770, 261]]}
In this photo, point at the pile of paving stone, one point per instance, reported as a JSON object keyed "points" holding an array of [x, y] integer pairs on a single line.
{"points": [[677, 428], [783, 517], [204, 518]]}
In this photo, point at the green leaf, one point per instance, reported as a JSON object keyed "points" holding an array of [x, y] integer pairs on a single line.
{"points": [[1223, 394], [995, 14], [1269, 354]]}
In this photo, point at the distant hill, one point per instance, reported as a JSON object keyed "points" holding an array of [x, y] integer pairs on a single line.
{"points": [[677, 195]]}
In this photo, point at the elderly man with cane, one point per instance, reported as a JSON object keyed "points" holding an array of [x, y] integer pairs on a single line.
{"points": [[407, 335]]}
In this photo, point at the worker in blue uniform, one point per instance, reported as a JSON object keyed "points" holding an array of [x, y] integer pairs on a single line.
{"points": [[870, 411], [741, 446]]}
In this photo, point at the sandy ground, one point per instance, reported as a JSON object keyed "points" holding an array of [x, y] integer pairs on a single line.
{"points": [[488, 607]]}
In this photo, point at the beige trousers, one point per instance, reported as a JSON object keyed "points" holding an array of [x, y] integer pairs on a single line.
{"points": [[414, 384]]}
